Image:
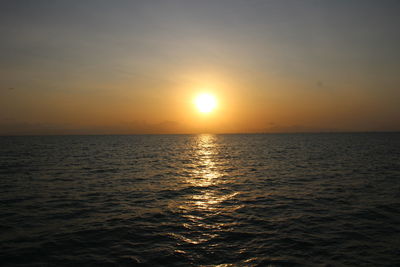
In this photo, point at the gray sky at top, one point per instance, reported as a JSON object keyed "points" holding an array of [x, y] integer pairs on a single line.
{"points": [[315, 33]]}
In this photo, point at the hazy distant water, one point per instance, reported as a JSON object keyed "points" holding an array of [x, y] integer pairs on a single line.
{"points": [[245, 200]]}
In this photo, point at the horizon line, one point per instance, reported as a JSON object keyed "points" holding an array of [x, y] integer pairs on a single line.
{"points": [[234, 133]]}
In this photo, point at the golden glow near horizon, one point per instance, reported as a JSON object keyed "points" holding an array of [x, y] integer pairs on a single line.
{"points": [[205, 102]]}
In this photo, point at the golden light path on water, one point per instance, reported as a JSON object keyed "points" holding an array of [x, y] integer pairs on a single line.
{"points": [[204, 208]]}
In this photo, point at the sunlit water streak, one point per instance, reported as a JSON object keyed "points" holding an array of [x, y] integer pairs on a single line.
{"points": [[234, 200]]}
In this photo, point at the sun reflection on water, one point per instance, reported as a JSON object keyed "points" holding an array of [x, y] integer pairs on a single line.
{"points": [[205, 173], [207, 196]]}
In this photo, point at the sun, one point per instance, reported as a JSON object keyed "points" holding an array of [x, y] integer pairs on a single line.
{"points": [[205, 102]]}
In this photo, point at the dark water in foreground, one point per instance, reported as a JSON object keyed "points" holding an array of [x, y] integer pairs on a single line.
{"points": [[239, 200]]}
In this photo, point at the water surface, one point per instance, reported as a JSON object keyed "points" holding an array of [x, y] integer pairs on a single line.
{"points": [[192, 200]]}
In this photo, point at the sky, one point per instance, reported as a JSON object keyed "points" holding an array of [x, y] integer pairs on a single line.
{"points": [[135, 67]]}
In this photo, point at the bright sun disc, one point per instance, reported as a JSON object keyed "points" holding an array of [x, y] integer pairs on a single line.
{"points": [[205, 103]]}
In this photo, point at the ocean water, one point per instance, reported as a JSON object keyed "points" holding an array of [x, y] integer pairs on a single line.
{"points": [[201, 200]]}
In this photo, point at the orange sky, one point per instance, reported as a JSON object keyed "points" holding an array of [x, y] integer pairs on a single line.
{"points": [[125, 68]]}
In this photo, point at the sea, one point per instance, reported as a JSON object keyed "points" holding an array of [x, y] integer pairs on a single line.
{"points": [[329, 199]]}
